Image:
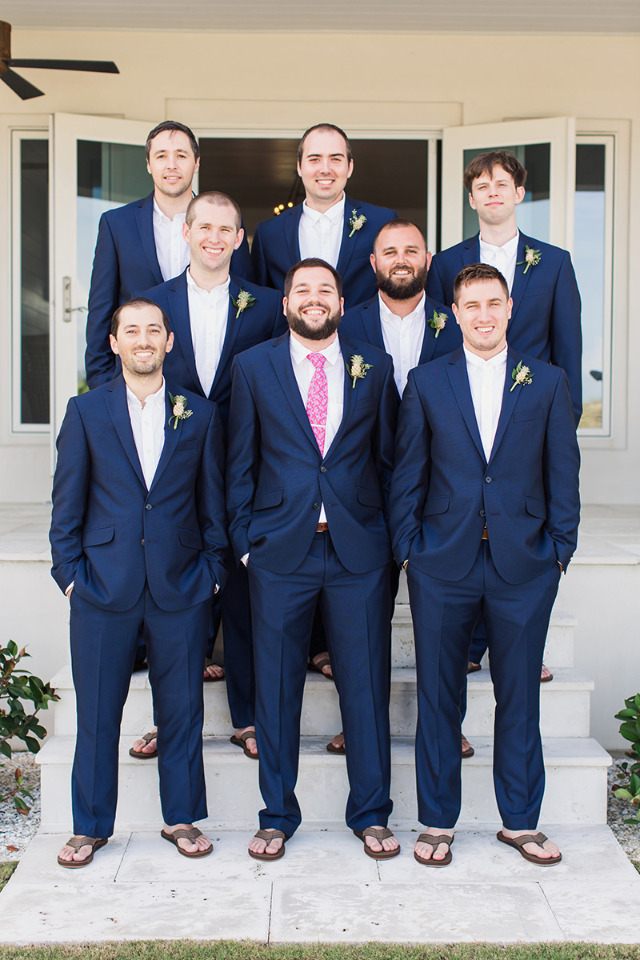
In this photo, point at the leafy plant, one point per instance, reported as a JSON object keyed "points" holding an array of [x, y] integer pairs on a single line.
{"points": [[629, 788], [19, 688]]}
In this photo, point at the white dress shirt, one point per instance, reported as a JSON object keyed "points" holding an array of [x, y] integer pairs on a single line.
{"points": [[208, 315], [486, 379], [148, 425], [403, 338], [320, 234], [172, 249], [502, 258]]}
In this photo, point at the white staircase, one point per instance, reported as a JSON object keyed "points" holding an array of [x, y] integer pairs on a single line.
{"points": [[576, 766]]}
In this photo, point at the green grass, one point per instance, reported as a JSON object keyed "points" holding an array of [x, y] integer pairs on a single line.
{"points": [[6, 869], [233, 950]]}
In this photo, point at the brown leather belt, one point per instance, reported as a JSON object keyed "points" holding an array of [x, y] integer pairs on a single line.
{"points": [[322, 528], [485, 535]]}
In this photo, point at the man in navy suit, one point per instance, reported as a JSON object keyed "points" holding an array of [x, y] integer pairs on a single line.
{"points": [[545, 320], [328, 224], [311, 434], [141, 244], [214, 316], [138, 539], [484, 517]]}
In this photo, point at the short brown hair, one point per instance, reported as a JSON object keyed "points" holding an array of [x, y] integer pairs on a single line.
{"points": [[172, 126], [477, 271], [311, 262], [216, 199], [325, 126], [485, 162], [397, 222], [137, 302]]}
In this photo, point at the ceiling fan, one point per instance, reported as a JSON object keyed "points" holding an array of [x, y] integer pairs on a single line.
{"points": [[26, 90]]}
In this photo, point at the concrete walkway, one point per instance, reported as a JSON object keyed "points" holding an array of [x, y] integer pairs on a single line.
{"points": [[325, 889]]}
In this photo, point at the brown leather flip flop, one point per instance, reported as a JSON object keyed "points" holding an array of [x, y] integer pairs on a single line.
{"points": [[435, 841], [319, 664], [76, 843], [192, 835], [212, 678], [147, 737], [340, 751], [269, 835], [467, 751], [379, 834], [241, 742], [519, 842]]}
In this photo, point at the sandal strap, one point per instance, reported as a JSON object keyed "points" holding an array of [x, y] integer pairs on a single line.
{"points": [[270, 835], [378, 833], [190, 834], [538, 838], [148, 737], [247, 735], [435, 840], [322, 662], [77, 842]]}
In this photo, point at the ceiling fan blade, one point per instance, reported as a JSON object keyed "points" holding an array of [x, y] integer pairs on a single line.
{"points": [[24, 89], [91, 66]]}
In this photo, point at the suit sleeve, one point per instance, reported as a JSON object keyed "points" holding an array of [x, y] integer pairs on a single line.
{"points": [[561, 474], [435, 288], [242, 460], [100, 361], [280, 324], [70, 490], [565, 332], [212, 512], [258, 260], [241, 264], [410, 479]]}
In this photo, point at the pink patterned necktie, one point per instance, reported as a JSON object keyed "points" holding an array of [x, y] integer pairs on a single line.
{"points": [[317, 399]]}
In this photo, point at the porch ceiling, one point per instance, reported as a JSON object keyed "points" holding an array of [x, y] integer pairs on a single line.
{"points": [[278, 16]]}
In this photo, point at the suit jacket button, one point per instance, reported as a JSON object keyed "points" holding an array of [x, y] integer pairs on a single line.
{"points": [[142, 542], [488, 479], [482, 513], [316, 506], [148, 506], [323, 469]]}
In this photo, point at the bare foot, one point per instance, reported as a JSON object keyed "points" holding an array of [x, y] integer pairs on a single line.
{"points": [[146, 746], [426, 851], [467, 749], [546, 850], [189, 846], [389, 843], [213, 671], [250, 742], [263, 846], [325, 669], [337, 744], [545, 674]]}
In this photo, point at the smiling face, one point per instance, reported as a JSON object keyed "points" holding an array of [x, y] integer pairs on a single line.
{"points": [[141, 340], [324, 168], [212, 234], [314, 306], [171, 163], [401, 262], [495, 196], [483, 310]]}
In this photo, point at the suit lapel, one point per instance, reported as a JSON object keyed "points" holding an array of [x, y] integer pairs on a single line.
{"points": [[509, 400], [457, 370], [520, 279], [116, 400], [372, 323], [231, 334], [144, 220], [181, 323], [471, 250], [291, 224], [281, 360], [171, 436], [348, 244], [349, 394]]}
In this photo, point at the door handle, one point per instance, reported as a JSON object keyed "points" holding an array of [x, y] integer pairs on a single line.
{"points": [[67, 309]]}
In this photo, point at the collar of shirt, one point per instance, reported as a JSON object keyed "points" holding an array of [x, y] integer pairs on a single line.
{"points": [[335, 213], [493, 363], [147, 425], [390, 317], [177, 218], [502, 258], [299, 352], [213, 296]]}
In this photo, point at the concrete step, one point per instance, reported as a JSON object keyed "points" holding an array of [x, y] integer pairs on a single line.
{"points": [[564, 706], [558, 651], [576, 790]]}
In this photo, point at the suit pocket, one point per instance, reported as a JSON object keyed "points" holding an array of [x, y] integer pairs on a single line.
{"points": [[533, 413], [536, 508], [370, 498], [97, 535], [435, 506], [190, 539], [267, 498]]}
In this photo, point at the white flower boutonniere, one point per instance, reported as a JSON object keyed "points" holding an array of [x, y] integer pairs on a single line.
{"points": [[244, 301], [357, 369], [437, 322], [521, 376], [180, 410], [357, 222], [531, 259]]}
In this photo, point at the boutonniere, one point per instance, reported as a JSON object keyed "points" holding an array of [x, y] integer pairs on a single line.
{"points": [[244, 301], [531, 259], [437, 322], [356, 222], [521, 376], [357, 369], [180, 410]]}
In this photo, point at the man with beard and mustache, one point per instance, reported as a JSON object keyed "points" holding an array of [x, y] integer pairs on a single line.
{"points": [[311, 435]]}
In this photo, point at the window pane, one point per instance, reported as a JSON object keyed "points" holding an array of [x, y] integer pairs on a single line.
{"points": [[34, 281], [589, 261], [533, 213]]}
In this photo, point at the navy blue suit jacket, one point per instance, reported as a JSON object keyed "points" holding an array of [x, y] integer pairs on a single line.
{"points": [[125, 261], [275, 248], [262, 321], [277, 478], [109, 534], [443, 490], [363, 323], [545, 320]]}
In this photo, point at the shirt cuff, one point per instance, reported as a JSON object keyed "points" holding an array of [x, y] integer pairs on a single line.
{"points": [[245, 560]]}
